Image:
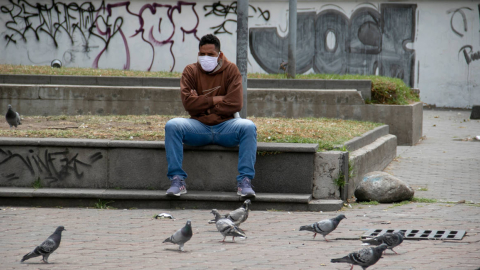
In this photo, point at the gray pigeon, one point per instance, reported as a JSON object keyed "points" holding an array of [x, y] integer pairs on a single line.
{"points": [[323, 227], [390, 239], [47, 247], [226, 227], [181, 236], [13, 118], [239, 215], [364, 258]]}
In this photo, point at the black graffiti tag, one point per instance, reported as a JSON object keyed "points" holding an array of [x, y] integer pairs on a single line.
{"points": [[469, 54], [53, 166], [221, 10], [86, 23]]}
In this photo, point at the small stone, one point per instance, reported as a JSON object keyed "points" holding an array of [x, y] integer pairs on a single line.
{"points": [[383, 188]]}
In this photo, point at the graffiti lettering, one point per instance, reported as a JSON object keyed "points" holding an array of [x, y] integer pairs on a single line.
{"points": [[86, 24], [220, 29], [469, 55], [54, 166], [369, 42], [221, 10], [464, 17]]}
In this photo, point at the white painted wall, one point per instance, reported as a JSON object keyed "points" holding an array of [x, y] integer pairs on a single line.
{"points": [[439, 67]]}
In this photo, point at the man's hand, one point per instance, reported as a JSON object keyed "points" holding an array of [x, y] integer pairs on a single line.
{"points": [[193, 93]]}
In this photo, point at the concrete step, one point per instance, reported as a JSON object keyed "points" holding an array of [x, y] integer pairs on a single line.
{"points": [[363, 86], [73, 197]]}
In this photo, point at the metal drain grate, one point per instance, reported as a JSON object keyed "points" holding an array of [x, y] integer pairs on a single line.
{"points": [[419, 234]]}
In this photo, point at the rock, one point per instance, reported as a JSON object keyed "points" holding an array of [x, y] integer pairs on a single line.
{"points": [[383, 187], [475, 112]]}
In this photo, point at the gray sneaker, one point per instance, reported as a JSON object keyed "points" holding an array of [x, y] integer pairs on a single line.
{"points": [[178, 187], [245, 188]]}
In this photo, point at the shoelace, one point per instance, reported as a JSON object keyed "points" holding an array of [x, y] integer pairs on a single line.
{"points": [[246, 183], [177, 182]]}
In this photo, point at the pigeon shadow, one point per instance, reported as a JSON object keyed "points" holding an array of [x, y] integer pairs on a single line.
{"points": [[177, 250], [40, 262]]}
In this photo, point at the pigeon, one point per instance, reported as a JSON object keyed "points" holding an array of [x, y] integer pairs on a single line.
{"points": [[13, 118], [323, 227], [47, 247], [181, 236], [390, 239], [239, 215], [226, 227], [364, 258]]}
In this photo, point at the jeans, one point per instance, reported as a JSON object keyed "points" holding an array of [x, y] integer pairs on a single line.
{"points": [[237, 131]]}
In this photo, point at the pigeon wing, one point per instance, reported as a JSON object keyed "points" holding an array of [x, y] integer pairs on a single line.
{"points": [[48, 246], [363, 257], [18, 119], [237, 216], [324, 227]]}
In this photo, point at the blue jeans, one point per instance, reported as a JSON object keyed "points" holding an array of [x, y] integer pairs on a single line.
{"points": [[237, 131]]}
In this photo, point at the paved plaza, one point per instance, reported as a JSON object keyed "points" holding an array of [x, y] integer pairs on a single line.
{"points": [[445, 166]]}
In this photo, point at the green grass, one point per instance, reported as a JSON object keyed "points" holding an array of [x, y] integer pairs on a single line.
{"points": [[400, 204], [423, 200], [369, 203], [37, 184], [385, 90], [340, 180], [101, 204], [422, 189]]}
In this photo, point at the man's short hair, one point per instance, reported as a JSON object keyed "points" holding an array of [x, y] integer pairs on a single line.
{"points": [[210, 39]]}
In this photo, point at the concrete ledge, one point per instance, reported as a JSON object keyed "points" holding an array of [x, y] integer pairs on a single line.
{"points": [[363, 86], [83, 163], [366, 139], [148, 195], [373, 157], [157, 199], [261, 146]]}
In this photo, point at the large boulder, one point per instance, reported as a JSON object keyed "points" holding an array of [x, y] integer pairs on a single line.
{"points": [[383, 187]]}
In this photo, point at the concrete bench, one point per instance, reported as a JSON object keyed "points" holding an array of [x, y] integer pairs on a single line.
{"points": [[109, 164]]}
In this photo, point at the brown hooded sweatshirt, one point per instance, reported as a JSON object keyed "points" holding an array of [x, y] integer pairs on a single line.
{"points": [[225, 80]]}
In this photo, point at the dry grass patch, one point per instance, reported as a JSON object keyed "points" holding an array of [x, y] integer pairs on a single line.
{"points": [[326, 132]]}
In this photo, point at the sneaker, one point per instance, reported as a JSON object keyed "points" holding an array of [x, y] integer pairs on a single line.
{"points": [[245, 188], [177, 188]]}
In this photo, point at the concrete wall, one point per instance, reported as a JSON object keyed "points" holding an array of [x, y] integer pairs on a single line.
{"points": [[373, 157], [82, 163], [430, 45], [104, 164]]}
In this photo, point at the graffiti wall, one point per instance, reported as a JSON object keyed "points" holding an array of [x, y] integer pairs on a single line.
{"points": [[430, 45]]}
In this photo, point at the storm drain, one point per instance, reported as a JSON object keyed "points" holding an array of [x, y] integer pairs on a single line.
{"points": [[419, 234]]}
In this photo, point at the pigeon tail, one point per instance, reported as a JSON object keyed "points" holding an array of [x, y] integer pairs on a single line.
{"points": [[168, 240], [307, 228], [345, 259], [372, 241], [31, 254]]}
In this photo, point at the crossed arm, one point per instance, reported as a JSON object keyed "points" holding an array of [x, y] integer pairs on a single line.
{"points": [[216, 99]]}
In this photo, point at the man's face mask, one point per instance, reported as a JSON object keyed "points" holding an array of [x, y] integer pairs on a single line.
{"points": [[208, 63]]}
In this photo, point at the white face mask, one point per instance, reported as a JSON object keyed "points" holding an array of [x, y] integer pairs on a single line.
{"points": [[208, 63]]}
